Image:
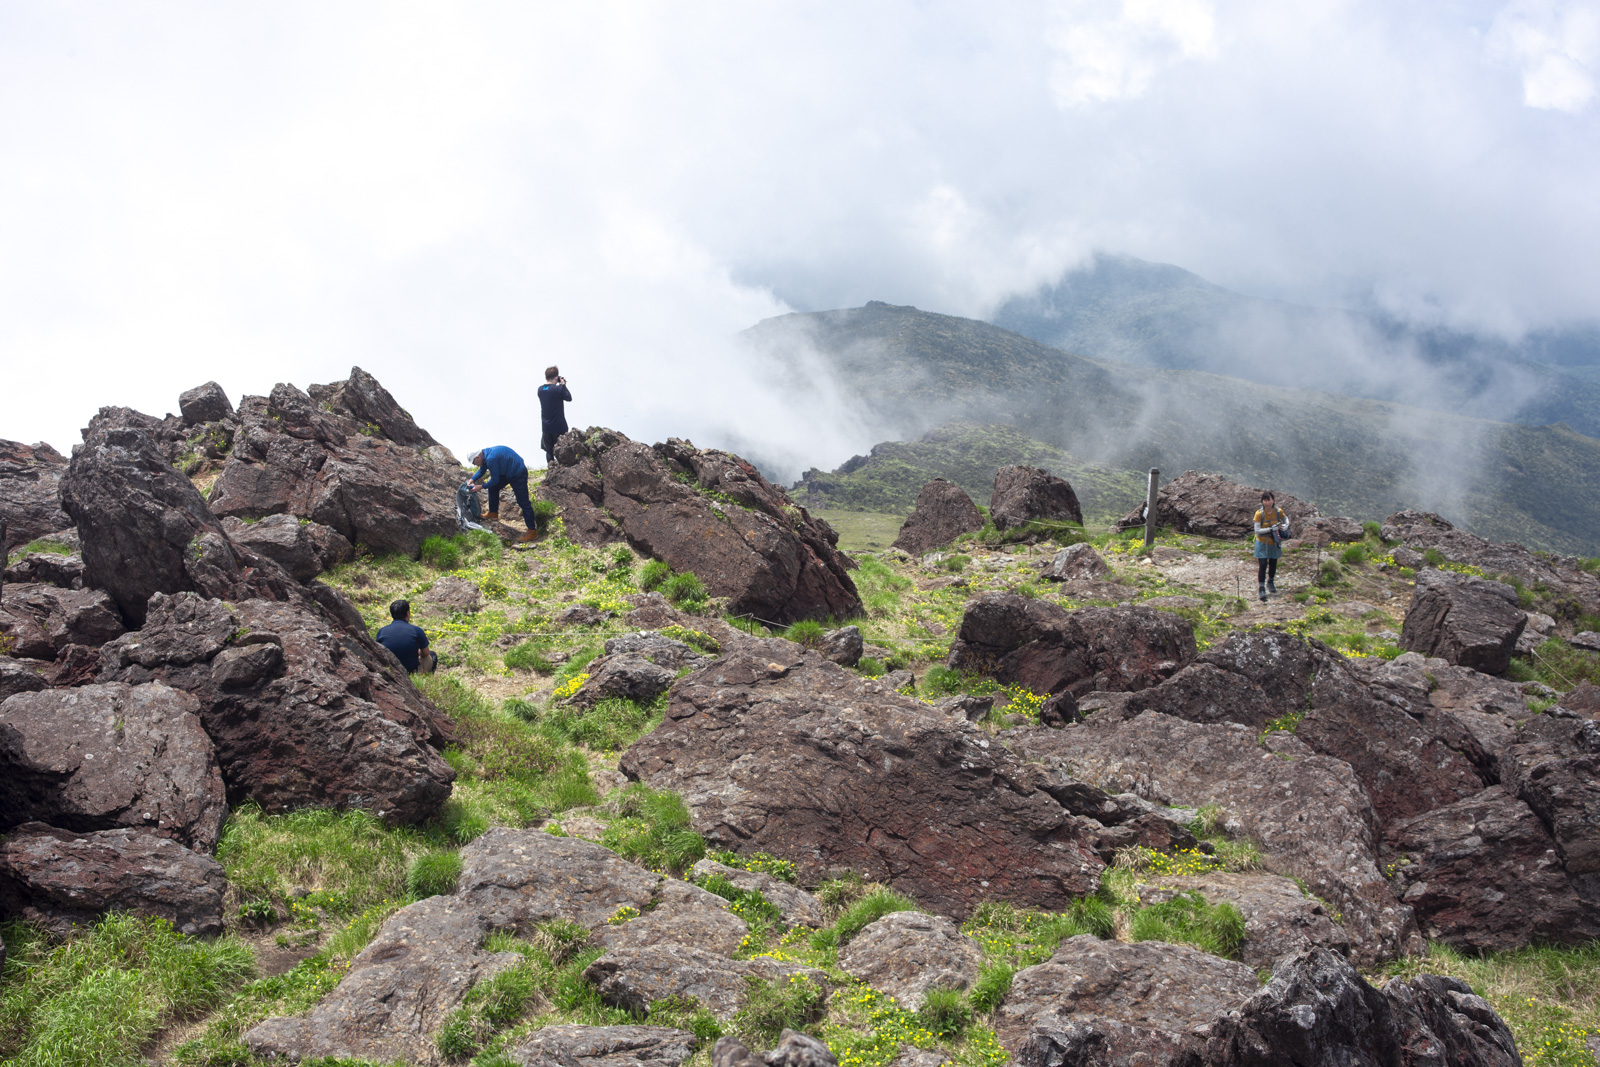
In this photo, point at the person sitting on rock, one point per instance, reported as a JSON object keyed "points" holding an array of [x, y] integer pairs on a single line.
{"points": [[1272, 526], [408, 643], [503, 467], [553, 398]]}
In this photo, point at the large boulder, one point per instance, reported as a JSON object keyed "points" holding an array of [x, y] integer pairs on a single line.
{"points": [[658, 649], [704, 511], [1027, 494], [776, 749], [1484, 874], [42, 620], [1317, 1011], [908, 953], [623, 676], [684, 914], [18, 677], [943, 512], [62, 879], [305, 709], [1047, 649], [1213, 506], [106, 756], [145, 529], [30, 491], [303, 548], [519, 878], [1468, 621], [204, 403], [1554, 765], [1105, 1002], [346, 457], [1076, 563], [1310, 813]]}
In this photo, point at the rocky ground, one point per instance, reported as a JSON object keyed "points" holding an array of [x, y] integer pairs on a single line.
{"points": [[1031, 802]]}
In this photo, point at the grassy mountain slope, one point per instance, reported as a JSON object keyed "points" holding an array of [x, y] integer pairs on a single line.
{"points": [[1159, 315], [967, 454], [913, 370]]}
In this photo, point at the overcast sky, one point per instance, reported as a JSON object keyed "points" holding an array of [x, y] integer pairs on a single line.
{"points": [[454, 195]]}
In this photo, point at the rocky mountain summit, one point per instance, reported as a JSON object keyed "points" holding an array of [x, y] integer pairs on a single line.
{"points": [[695, 784]]}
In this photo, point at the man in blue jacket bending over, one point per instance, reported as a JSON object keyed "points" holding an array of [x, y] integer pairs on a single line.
{"points": [[503, 467]]}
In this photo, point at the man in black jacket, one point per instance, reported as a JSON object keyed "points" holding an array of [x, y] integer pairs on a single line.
{"points": [[553, 398]]}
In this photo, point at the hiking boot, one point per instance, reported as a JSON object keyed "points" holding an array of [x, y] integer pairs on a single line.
{"points": [[1272, 588], [531, 535], [493, 516], [1261, 591]]}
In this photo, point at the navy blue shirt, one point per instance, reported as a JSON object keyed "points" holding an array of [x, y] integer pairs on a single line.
{"points": [[405, 641], [502, 465], [552, 408]]}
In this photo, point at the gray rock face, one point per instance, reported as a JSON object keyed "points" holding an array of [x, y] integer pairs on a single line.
{"points": [[1555, 767], [1318, 1012], [1279, 920], [106, 756], [625, 676], [683, 915], [632, 978], [1047, 649], [891, 788], [398, 992], [30, 500], [1106, 1002], [326, 721], [59, 879], [345, 456], [303, 548], [1309, 812], [1028, 494], [17, 677], [42, 620], [204, 403], [662, 651], [942, 513], [1484, 873], [795, 905], [518, 878], [47, 568], [1471, 622], [604, 1046], [843, 646], [907, 953], [793, 1050], [1076, 563]]}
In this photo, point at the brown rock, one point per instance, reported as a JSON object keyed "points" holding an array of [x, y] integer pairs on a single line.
{"points": [[303, 548], [1555, 767], [604, 1046], [624, 676], [843, 646], [42, 620], [18, 677], [795, 905], [30, 498], [61, 879], [1212, 506], [1076, 563], [1028, 494], [907, 953], [684, 915], [942, 513], [204, 403], [660, 650], [708, 512], [633, 978], [890, 787], [518, 878], [452, 594], [107, 756], [1471, 622], [47, 568]]}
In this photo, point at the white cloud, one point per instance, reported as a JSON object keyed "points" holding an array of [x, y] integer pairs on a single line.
{"points": [[1556, 46], [1112, 49]]}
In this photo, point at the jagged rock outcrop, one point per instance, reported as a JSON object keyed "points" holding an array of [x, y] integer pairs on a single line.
{"points": [[1318, 1012], [704, 511], [891, 788], [18, 677], [661, 650], [1468, 621], [1420, 530], [1484, 873], [908, 953], [843, 646], [1310, 813], [793, 1050], [61, 879], [942, 513], [604, 1046], [1279, 920], [1554, 766], [346, 456], [623, 676], [106, 756], [64, 571], [303, 548], [1105, 1002], [42, 620], [1212, 506], [517, 878], [204, 403], [304, 712], [1027, 494], [30, 491], [1075, 563], [451, 594], [1047, 649]]}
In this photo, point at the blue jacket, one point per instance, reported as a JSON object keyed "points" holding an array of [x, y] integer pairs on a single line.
{"points": [[502, 465]]}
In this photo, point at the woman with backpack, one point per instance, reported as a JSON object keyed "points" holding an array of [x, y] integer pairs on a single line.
{"points": [[1272, 528]]}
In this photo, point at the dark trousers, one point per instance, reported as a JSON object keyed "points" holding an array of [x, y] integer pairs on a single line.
{"points": [[1266, 571], [547, 441], [519, 489]]}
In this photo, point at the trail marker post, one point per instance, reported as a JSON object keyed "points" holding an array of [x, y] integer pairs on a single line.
{"points": [[1150, 508]]}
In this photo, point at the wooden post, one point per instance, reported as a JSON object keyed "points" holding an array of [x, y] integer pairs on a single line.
{"points": [[1150, 508]]}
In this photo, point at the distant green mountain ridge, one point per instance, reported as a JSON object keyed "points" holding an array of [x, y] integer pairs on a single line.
{"points": [[909, 370], [968, 454]]}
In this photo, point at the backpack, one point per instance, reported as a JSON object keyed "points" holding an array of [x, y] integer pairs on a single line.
{"points": [[468, 514]]}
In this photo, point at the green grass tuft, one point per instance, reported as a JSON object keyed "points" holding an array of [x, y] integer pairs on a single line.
{"points": [[652, 574], [807, 632], [433, 874], [653, 828], [1187, 919]]}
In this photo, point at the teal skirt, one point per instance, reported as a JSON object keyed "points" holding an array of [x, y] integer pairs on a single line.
{"points": [[1268, 549]]}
